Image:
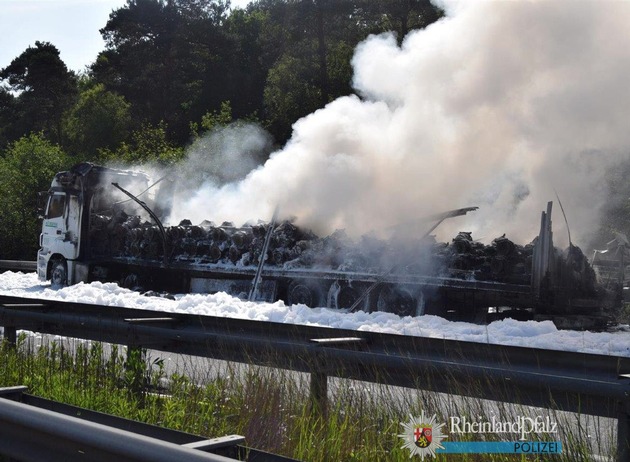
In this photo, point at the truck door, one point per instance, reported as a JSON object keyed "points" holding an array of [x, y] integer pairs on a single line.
{"points": [[61, 226]]}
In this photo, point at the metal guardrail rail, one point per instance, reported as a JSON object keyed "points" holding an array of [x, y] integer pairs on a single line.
{"points": [[37, 429], [576, 382], [18, 265]]}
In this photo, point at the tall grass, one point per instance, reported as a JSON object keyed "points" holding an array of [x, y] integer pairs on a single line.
{"points": [[270, 407]]}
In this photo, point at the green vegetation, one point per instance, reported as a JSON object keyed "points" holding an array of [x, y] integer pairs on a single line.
{"points": [[27, 166], [173, 62], [270, 407]]}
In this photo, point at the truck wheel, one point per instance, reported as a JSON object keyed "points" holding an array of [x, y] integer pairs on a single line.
{"points": [[132, 282], [342, 295], [309, 293], [400, 301], [58, 273]]}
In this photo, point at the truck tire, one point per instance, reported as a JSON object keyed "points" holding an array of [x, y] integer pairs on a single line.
{"points": [[342, 295], [133, 282], [309, 293], [58, 273], [400, 301]]}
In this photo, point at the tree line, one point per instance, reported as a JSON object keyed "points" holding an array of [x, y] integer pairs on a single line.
{"points": [[168, 63], [171, 70]]}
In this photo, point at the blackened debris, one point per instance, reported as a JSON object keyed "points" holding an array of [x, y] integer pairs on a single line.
{"points": [[291, 247]]}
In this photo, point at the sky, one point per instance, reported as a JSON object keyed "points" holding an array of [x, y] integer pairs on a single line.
{"points": [[71, 25]]}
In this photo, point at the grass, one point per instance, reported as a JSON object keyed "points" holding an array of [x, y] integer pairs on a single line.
{"points": [[270, 407]]}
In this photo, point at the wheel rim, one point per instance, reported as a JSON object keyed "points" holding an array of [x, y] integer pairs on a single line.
{"points": [[59, 275], [309, 293], [400, 301], [132, 282], [300, 293], [342, 296]]}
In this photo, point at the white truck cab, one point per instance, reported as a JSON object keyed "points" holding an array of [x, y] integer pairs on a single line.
{"points": [[64, 255], [60, 238]]}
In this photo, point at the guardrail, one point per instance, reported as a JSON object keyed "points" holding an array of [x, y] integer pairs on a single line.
{"points": [[17, 265], [576, 382], [36, 429]]}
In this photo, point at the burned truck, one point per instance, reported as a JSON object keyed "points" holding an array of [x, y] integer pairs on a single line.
{"points": [[99, 226]]}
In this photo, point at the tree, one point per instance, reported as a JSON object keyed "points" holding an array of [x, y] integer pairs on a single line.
{"points": [[212, 120], [9, 129], [99, 120], [399, 16], [290, 94], [27, 166], [45, 88], [176, 60], [138, 62], [161, 55], [149, 144], [254, 52]]}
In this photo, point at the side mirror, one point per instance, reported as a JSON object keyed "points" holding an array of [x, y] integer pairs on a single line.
{"points": [[42, 200]]}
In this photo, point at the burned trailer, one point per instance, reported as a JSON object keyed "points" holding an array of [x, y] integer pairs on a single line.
{"points": [[99, 225]]}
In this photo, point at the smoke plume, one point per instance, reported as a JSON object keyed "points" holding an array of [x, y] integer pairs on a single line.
{"points": [[497, 105]]}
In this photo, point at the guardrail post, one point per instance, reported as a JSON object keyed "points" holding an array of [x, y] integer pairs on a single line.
{"points": [[10, 335], [319, 391], [135, 367], [623, 426], [623, 435], [319, 378]]}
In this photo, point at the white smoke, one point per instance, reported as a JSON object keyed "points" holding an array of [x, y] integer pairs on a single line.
{"points": [[496, 105], [224, 155]]}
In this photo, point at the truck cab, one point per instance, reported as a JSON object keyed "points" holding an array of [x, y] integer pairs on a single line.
{"points": [[64, 254], [60, 237]]}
